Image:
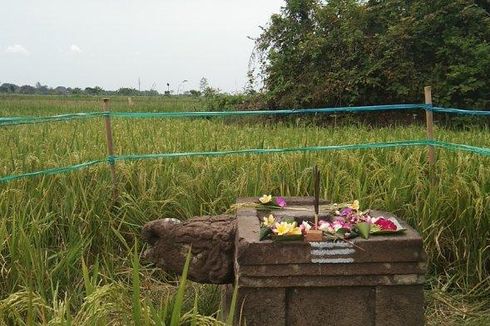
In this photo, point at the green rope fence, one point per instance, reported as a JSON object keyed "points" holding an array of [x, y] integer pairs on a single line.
{"points": [[460, 111], [253, 151], [52, 171], [11, 121]]}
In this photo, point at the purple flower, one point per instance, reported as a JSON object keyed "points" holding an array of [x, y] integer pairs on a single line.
{"points": [[280, 201], [346, 211]]}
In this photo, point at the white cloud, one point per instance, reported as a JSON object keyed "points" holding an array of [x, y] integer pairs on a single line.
{"points": [[75, 49], [17, 49]]}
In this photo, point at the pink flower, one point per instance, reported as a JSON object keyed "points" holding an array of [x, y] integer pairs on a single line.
{"points": [[280, 201], [385, 224], [326, 227], [339, 224]]}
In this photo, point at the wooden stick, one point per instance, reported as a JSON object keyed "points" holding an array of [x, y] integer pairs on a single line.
{"points": [[316, 184], [110, 146], [429, 116]]}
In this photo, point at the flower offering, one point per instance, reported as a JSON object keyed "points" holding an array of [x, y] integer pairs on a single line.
{"points": [[344, 222], [272, 202]]}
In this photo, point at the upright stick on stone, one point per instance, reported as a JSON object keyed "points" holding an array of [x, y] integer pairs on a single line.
{"points": [[110, 145], [430, 127], [315, 235], [316, 178]]}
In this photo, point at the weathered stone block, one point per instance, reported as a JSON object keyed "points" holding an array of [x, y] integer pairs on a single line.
{"points": [[339, 306], [400, 305], [257, 306]]}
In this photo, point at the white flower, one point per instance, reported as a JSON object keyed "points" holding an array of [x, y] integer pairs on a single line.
{"points": [[269, 221], [306, 226], [326, 227]]}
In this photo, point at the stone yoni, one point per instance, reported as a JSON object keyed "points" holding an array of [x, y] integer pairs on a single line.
{"points": [[212, 241]]}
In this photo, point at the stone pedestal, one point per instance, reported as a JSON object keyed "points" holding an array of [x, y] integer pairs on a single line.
{"points": [[378, 281]]}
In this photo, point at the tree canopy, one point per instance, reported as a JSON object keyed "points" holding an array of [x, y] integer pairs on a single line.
{"points": [[348, 52]]}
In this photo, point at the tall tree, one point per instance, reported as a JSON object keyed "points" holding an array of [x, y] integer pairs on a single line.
{"points": [[343, 52]]}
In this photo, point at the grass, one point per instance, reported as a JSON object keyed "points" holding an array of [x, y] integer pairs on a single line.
{"points": [[68, 257]]}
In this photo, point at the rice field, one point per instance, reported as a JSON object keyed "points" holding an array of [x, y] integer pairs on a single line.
{"points": [[68, 256]]}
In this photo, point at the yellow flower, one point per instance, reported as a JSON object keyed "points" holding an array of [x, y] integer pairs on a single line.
{"points": [[285, 228], [295, 231], [355, 205], [265, 199], [269, 221]]}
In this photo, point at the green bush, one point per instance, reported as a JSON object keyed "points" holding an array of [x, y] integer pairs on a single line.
{"points": [[348, 52]]}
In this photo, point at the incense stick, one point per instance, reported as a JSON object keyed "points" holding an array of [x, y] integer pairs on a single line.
{"points": [[316, 180]]}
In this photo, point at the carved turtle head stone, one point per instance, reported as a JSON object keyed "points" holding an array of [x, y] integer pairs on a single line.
{"points": [[210, 237]]}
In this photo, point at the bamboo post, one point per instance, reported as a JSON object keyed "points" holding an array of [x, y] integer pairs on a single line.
{"points": [[110, 145], [429, 117]]}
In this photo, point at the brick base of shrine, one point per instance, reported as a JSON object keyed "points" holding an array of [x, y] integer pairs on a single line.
{"points": [[378, 281]]}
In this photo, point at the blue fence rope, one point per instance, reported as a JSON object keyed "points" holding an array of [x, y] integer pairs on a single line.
{"points": [[10, 121], [460, 111], [207, 114], [254, 151]]}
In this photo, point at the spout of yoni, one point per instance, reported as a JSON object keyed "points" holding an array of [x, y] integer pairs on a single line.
{"points": [[212, 239]]}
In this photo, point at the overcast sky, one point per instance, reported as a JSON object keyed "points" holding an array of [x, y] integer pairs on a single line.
{"points": [[111, 43]]}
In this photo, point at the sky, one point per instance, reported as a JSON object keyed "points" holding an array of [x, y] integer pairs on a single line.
{"points": [[113, 43]]}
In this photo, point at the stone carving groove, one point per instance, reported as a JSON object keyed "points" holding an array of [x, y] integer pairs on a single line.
{"points": [[212, 239]]}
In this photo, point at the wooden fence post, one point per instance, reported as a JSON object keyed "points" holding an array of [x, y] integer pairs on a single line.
{"points": [[429, 117], [110, 146]]}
